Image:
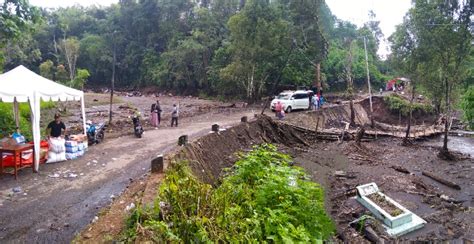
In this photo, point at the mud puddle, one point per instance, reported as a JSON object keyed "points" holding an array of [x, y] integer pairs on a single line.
{"points": [[463, 145]]}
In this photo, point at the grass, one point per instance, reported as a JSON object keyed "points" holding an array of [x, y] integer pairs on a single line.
{"points": [[398, 104], [7, 119]]}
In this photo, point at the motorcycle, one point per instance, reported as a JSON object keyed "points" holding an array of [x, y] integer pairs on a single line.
{"points": [[95, 132], [137, 127]]}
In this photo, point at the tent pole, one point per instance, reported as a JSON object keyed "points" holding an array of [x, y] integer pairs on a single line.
{"points": [[16, 113], [83, 108], [35, 115]]}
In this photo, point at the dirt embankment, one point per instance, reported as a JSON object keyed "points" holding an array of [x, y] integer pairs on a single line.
{"points": [[333, 119], [383, 114], [210, 154], [339, 168]]}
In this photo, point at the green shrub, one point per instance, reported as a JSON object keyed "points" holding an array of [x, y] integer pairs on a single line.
{"points": [[7, 120], [397, 104], [262, 199], [467, 105]]}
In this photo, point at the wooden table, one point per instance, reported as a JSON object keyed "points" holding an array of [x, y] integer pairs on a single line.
{"points": [[16, 150]]}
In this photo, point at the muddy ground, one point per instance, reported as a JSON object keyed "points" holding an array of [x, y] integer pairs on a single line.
{"points": [[112, 175], [420, 194], [55, 204], [339, 167]]}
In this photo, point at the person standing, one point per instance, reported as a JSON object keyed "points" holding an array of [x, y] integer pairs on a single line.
{"points": [[56, 127], [315, 102], [278, 109], [158, 109], [174, 116], [154, 116]]}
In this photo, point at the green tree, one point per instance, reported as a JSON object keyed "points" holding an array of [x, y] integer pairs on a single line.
{"points": [[443, 41], [47, 69], [80, 79], [259, 40], [70, 50], [467, 105], [15, 16], [61, 75]]}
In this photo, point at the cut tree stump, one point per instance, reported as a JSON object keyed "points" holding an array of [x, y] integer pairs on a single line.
{"points": [[441, 180]]}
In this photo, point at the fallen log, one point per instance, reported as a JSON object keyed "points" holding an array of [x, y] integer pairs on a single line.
{"points": [[441, 180], [96, 111], [400, 169]]}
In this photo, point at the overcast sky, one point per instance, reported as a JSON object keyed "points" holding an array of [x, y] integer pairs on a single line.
{"points": [[388, 12], [67, 3]]}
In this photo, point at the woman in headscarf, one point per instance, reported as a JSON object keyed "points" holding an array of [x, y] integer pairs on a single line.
{"points": [[155, 117]]}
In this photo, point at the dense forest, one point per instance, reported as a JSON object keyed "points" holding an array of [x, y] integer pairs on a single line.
{"points": [[228, 48]]}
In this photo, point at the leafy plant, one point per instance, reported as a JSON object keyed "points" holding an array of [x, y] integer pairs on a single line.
{"points": [[467, 105], [7, 120], [398, 104], [262, 199]]}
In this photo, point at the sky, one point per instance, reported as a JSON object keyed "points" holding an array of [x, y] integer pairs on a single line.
{"points": [[67, 3], [388, 12]]}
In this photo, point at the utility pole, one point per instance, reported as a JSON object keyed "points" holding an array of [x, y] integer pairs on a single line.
{"points": [[368, 82], [113, 80]]}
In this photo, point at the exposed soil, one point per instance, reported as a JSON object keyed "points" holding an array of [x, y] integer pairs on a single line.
{"points": [[339, 168], [383, 114], [385, 204], [113, 175]]}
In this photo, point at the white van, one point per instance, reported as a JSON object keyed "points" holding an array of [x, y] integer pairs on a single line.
{"points": [[292, 100]]}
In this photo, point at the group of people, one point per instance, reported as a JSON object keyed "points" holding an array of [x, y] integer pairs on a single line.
{"points": [[316, 102], [155, 118]]}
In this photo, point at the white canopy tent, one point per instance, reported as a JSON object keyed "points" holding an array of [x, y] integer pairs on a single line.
{"points": [[23, 85]]}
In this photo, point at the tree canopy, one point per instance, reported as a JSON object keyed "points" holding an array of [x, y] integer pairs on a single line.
{"points": [[228, 48]]}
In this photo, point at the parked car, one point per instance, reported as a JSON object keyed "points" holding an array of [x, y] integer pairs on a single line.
{"points": [[292, 100]]}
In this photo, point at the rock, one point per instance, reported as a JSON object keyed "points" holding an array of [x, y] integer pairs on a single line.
{"points": [[130, 207], [16, 189], [95, 219], [40, 230], [87, 235]]}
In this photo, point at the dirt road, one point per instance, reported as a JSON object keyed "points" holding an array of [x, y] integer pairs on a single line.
{"points": [[55, 204]]}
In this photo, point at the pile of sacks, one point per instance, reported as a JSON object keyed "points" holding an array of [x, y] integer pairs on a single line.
{"points": [[61, 149], [57, 150]]}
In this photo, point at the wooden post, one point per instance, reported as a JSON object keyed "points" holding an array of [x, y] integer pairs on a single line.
{"points": [[183, 140], [157, 164], [215, 128]]}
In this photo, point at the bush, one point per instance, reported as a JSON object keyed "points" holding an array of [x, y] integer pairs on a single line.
{"points": [[7, 120], [467, 105], [262, 199], [398, 104]]}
